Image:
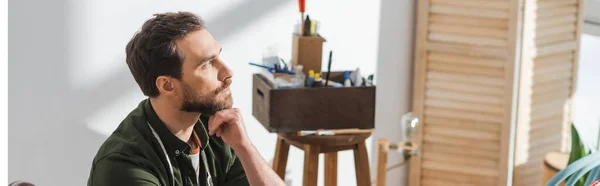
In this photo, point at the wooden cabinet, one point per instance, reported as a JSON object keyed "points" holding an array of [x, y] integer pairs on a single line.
{"points": [[492, 85]]}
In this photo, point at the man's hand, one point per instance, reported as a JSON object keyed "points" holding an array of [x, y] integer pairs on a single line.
{"points": [[229, 125]]}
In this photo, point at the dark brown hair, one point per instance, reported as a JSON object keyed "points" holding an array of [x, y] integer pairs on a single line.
{"points": [[152, 51]]}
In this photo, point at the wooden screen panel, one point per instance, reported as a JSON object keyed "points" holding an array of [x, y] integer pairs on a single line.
{"points": [[463, 85], [549, 60], [467, 55]]}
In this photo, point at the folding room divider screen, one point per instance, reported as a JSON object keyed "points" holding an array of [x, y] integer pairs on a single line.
{"points": [[493, 80]]}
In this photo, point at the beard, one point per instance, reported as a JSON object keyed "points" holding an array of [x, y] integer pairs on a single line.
{"points": [[205, 104]]}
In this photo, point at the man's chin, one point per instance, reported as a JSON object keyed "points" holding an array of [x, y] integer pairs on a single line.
{"points": [[226, 102], [225, 106], [219, 108]]}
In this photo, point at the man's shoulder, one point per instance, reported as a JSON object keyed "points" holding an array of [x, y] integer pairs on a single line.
{"points": [[127, 155], [121, 143], [127, 140], [117, 168]]}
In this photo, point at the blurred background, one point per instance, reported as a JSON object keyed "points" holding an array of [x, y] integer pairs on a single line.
{"points": [[69, 86]]}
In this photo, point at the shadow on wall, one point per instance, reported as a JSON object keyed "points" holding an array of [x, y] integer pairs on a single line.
{"points": [[49, 142]]}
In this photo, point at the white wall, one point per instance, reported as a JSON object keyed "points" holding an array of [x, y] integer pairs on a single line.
{"points": [[586, 108], [394, 79], [69, 86], [587, 99], [591, 11]]}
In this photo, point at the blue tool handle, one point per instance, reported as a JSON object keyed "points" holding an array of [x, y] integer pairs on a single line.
{"points": [[271, 69]]}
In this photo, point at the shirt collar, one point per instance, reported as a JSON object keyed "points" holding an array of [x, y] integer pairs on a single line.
{"points": [[200, 129], [174, 145]]}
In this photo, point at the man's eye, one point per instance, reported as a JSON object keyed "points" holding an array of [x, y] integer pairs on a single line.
{"points": [[207, 64]]}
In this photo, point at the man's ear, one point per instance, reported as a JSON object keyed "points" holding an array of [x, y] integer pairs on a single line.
{"points": [[165, 85]]}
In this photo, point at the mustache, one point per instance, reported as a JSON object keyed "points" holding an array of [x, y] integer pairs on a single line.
{"points": [[225, 85]]}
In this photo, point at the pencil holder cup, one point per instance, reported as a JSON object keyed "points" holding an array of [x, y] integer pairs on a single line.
{"points": [[307, 51]]}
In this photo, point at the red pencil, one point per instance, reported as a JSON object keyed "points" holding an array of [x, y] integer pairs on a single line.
{"points": [[301, 7]]}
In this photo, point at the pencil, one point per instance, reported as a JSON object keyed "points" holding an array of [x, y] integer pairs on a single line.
{"points": [[328, 68]]}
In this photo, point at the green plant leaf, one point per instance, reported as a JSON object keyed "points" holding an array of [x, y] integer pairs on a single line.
{"points": [[578, 151]]}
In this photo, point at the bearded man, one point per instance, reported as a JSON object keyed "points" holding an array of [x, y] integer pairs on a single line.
{"points": [[186, 132]]}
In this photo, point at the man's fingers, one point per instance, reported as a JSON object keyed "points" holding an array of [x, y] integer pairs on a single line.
{"points": [[210, 121], [215, 122], [219, 132], [218, 119]]}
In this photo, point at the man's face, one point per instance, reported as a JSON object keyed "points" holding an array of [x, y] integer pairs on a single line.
{"points": [[206, 79]]}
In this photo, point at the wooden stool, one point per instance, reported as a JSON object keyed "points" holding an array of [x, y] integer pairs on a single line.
{"points": [[330, 145]]}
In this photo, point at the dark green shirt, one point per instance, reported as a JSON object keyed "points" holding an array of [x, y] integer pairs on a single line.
{"points": [[132, 156]]}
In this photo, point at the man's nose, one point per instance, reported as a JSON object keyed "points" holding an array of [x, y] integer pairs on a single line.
{"points": [[224, 72]]}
